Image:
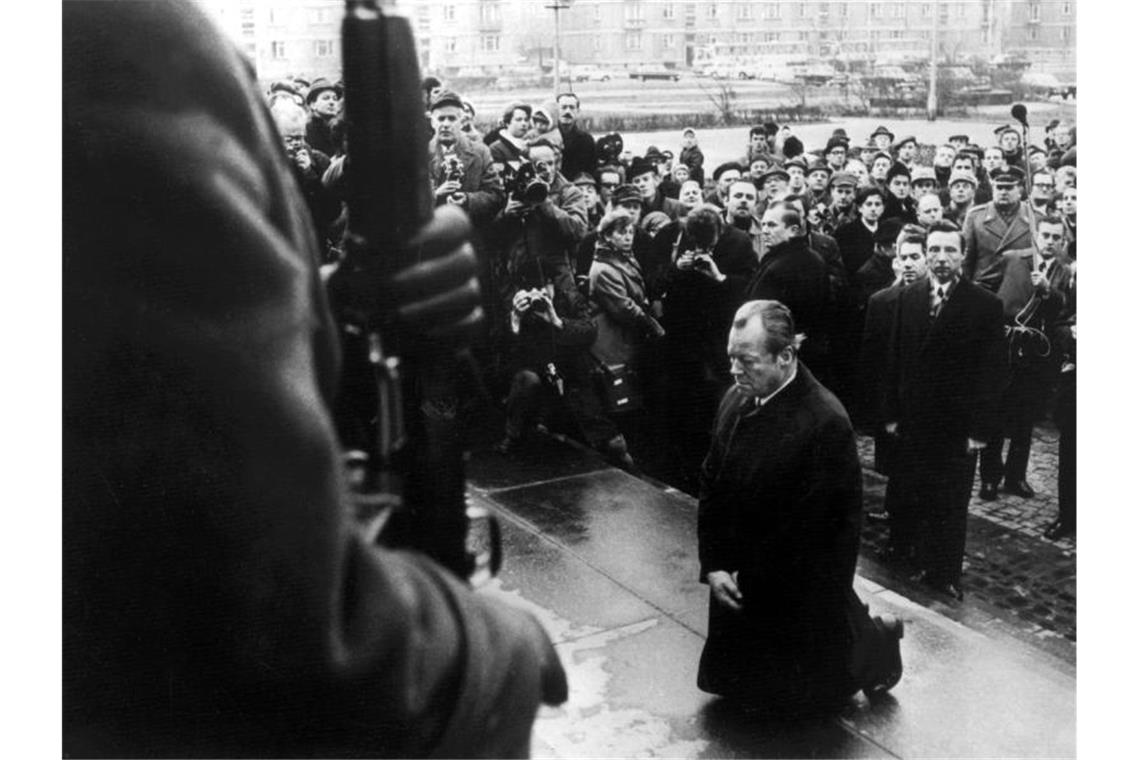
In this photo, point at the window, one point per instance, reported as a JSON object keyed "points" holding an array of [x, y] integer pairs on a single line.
{"points": [[320, 15], [1067, 34], [898, 10], [634, 12], [670, 12], [711, 10], [670, 41], [276, 15], [771, 10], [598, 13], [844, 10], [1035, 11], [490, 13], [250, 50], [896, 34], [322, 48], [1066, 9], [875, 34], [772, 37], [633, 40], [450, 45], [804, 36], [744, 12], [489, 43], [927, 9], [1034, 33], [247, 22], [277, 50], [803, 10], [876, 10], [961, 10], [449, 13]]}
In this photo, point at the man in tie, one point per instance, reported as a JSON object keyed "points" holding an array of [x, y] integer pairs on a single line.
{"points": [[1034, 295], [939, 392]]}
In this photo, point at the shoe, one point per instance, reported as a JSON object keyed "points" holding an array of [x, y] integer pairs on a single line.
{"points": [[890, 670], [988, 492], [949, 589], [1020, 488], [1058, 530]]}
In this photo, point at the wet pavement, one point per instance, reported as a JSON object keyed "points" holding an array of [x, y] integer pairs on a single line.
{"points": [[608, 563]]}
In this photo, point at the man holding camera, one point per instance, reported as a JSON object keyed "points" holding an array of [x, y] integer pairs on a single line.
{"points": [[462, 172]]}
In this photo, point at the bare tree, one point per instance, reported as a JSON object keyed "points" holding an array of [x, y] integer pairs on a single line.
{"points": [[723, 97]]}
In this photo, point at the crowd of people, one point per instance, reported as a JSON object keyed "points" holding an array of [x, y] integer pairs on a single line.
{"points": [[610, 281]]}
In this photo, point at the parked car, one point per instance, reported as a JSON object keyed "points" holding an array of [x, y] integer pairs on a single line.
{"points": [[588, 73], [652, 72], [1047, 85]]}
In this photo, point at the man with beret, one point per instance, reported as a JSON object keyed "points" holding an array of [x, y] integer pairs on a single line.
{"points": [[835, 153], [960, 196], [628, 198], [643, 175], [594, 207], [995, 227], [818, 174], [323, 131], [923, 181], [462, 172], [958, 142], [1038, 158], [882, 138], [841, 210], [797, 175], [905, 151], [579, 153], [970, 162], [772, 186], [724, 175]]}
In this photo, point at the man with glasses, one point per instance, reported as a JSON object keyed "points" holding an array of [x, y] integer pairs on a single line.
{"points": [[1034, 291], [995, 227], [1043, 194]]}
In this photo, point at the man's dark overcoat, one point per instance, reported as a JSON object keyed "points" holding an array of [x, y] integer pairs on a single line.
{"points": [[780, 504]]}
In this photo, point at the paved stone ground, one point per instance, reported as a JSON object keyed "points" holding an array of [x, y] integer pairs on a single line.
{"points": [[1013, 577]]}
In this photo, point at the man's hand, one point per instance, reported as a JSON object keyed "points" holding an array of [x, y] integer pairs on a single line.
{"points": [[891, 428], [725, 590], [439, 296], [685, 261], [457, 199], [1040, 282], [514, 208], [544, 308], [704, 264], [303, 159], [447, 188], [973, 446]]}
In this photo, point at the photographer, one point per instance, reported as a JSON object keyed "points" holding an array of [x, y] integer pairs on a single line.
{"points": [[551, 335], [462, 171], [308, 167]]}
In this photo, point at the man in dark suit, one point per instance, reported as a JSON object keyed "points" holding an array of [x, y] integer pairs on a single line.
{"points": [[940, 388], [1034, 295], [579, 153], [778, 529], [219, 598], [995, 227]]}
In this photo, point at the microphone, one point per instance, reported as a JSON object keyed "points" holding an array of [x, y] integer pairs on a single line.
{"points": [[1018, 112]]}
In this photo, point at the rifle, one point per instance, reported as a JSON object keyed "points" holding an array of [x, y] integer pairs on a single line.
{"points": [[412, 489]]}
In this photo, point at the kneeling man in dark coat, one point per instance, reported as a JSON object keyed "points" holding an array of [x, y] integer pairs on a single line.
{"points": [[780, 506]]}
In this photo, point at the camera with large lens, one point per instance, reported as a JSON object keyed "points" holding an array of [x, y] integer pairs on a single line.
{"points": [[523, 184], [452, 169]]}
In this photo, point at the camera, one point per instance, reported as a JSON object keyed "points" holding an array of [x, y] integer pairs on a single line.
{"points": [[452, 168], [522, 183]]}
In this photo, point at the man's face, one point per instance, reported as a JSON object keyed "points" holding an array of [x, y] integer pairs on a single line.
{"points": [[959, 143], [859, 169], [962, 192], [962, 165], [726, 181], [519, 124], [866, 154], [923, 188], [944, 156], [871, 209], [540, 124], [929, 210], [883, 142], [899, 186], [911, 261], [753, 369], [796, 178], [1069, 201], [837, 157], [1037, 160], [1043, 186], [741, 200], [545, 162], [326, 103], [621, 238], [591, 194], [646, 184], [608, 182], [681, 174], [1006, 193], [567, 110], [688, 141], [907, 151], [944, 255], [1009, 141], [634, 208], [992, 159], [690, 194], [773, 230], [817, 180], [758, 141], [1050, 238], [775, 187], [842, 196], [879, 168], [445, 120], [1063, 137], [757, 168]]}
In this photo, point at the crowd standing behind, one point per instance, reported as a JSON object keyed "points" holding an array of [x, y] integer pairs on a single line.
{"points": [[610, 281]]}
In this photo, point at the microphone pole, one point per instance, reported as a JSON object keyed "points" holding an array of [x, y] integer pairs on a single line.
{"points": [[1021, 115]]}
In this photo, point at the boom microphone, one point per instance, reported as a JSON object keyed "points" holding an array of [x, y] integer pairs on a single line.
{"points": [[1018, 112]]}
